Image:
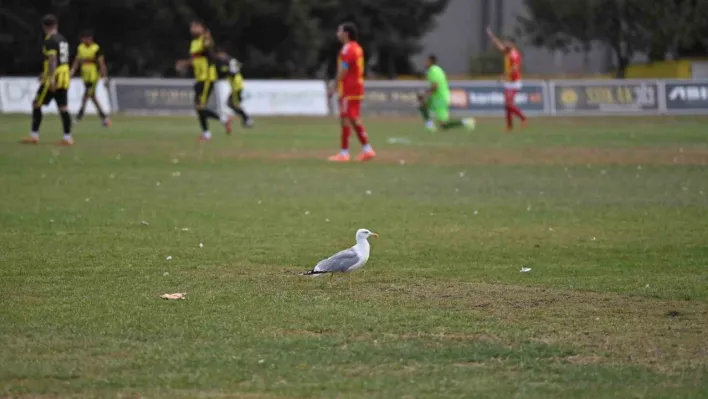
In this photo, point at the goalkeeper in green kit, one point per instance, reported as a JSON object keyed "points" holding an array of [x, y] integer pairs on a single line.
{"points": [[435, 101]]}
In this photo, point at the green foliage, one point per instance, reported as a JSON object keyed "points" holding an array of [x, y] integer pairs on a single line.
{"points": [[628, 27], [274, 38], [487, 63]]}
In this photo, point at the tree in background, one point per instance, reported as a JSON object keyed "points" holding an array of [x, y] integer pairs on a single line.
{"points": [[274, 38], [658, 28]]}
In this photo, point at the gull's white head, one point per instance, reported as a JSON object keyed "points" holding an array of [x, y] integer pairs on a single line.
{"points": [[363, 234]]}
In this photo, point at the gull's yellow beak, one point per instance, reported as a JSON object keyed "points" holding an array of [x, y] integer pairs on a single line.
{"points": [[374, 235]]}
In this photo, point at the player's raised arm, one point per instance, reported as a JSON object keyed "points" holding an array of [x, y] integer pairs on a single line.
{"points": [[497, 42]]}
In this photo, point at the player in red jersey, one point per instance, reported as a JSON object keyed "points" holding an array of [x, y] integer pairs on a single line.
{"points": [[350, 89], [512, 77]]}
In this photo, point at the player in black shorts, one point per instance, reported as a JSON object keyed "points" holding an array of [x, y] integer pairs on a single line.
{"points": [[201, 50], [55, 81], [229, 69]]}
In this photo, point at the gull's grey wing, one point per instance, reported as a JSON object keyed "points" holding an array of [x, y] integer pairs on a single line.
{"points": [[339, 262]]}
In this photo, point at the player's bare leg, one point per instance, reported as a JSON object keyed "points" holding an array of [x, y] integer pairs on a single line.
{"points": [[512, 110], [367, 152], [82, 110], [346, 132], [36, 123], [105, 121]]}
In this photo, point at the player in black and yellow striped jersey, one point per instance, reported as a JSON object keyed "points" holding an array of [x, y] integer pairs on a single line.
{"points": [[229, 69], [55, 80], [90, 58], [201, 50]]}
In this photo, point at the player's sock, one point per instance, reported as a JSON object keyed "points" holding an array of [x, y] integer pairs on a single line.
{"points": [[361, 134], [80, 115], [425, 113], [244, 116], [224, 118], [203, 120], [509, 117], [66, 123], [99, 110], [210, 114], [36, 119], [516, 111], [346, 132], [67, 136], [206, 134], [239, 111], [452, 123]]}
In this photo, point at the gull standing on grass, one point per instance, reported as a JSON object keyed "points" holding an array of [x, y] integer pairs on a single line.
{"points": [[348, 260]]}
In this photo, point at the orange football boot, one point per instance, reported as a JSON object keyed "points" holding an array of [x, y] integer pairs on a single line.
{"points": [[30, 140], [339, 158], [66, 143], [366, 156]]}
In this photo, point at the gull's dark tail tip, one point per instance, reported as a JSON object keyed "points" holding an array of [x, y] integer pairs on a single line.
{"points": [[312, 273]]}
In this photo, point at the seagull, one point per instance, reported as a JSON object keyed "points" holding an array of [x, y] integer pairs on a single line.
{"points": [[348, 260]]}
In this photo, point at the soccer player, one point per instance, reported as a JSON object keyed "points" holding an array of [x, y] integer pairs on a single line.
{"points": [[202, 51], [436, 100], [229, 68], [512, 76], [90, 56], [350, 89], [55, 81]]}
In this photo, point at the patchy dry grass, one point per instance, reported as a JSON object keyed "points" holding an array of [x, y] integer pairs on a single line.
{"points": [[609, 214]]}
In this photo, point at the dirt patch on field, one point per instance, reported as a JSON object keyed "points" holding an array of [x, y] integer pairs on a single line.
{"points": [[626, 329], [492, 156]]}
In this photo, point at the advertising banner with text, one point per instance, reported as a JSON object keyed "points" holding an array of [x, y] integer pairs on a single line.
{"points": [[686, 96], [279, 97], [155, 96], [16, 95], [626, 97], [466, 98], [260, 97]]}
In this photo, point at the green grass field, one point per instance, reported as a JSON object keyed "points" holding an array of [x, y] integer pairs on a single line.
{"points": [[610, 214]]}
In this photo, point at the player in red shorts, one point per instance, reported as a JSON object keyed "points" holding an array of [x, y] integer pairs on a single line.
{"points": [[512, 77], [350, 89]]}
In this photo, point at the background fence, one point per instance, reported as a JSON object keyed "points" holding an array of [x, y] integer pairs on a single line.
{"points": [[309, 97]]}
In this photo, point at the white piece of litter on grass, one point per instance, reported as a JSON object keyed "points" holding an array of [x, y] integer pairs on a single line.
{"points": [[169, 258], [525, 269], [144, 223], [177, 295], [201, 245]]}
